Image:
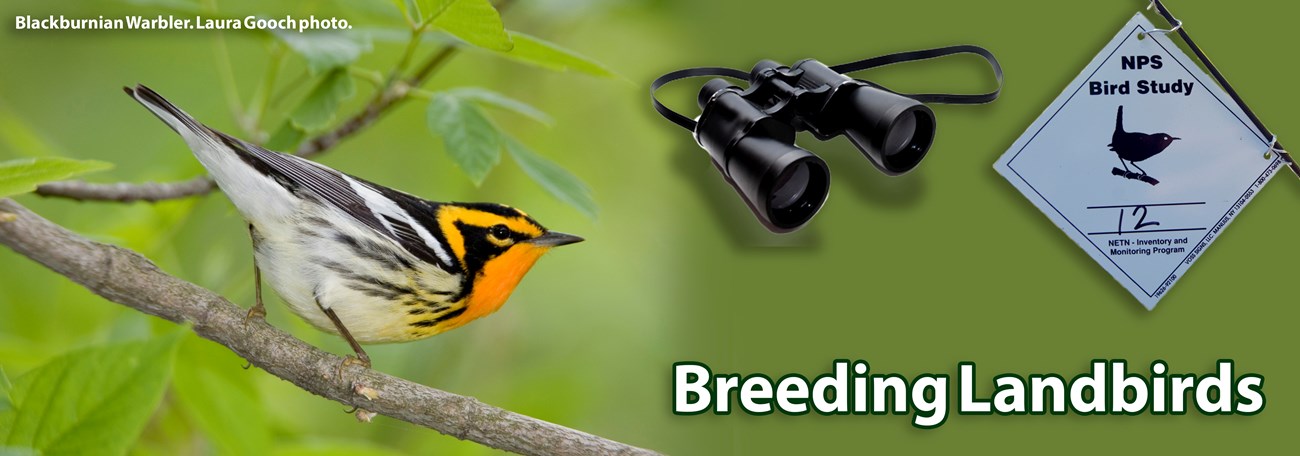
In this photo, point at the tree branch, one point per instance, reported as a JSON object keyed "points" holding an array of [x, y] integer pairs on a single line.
{"points": [[124, 276], [123, 192]]}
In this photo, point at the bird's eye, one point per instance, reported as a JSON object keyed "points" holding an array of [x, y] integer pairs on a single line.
{"points": [[499, 232]]}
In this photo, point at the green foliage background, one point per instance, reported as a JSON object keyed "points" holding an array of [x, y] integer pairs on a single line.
{"points": [[550, 356], [914, 274]]}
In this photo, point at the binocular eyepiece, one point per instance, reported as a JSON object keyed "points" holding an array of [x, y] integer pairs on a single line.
{"points": [[750, 134]]}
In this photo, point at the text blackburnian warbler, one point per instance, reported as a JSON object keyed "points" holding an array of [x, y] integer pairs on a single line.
{"points": [[372, 264]]}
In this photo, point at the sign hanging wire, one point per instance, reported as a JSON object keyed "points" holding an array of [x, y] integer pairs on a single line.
{"points": [[1177, 23], [1273, 147], [1177, 26]]}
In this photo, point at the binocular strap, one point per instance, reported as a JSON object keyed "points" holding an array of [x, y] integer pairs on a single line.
{"points": [[860, 65]]}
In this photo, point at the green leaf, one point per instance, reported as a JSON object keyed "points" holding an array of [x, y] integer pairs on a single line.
{"points": [[325, 51], [495, 99], [6, 402], [536, 51], [563, 185], [469, 137], [220, 399], [421, 10], [401, 6], [318, 109], [22, 176], [96, 400], [475, 21]]}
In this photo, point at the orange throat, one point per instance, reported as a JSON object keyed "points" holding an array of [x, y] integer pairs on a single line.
{"points": [[497, 280]]}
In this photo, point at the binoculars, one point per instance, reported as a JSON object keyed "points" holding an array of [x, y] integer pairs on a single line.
{"points": [[750, 132]]}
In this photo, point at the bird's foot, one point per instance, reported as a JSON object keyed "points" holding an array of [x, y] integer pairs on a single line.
{"points": [[1134, 176], [362, 360], [257, 312], [1144, 177]]}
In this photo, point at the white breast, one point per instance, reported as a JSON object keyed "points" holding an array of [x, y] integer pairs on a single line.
{"points": [[306, 261]]}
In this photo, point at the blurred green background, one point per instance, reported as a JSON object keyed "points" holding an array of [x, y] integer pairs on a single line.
{"points": [[913, 274]]}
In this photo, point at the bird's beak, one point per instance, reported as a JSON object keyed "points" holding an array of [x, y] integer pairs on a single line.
{"points": [[1175, 139], [554, 239]]}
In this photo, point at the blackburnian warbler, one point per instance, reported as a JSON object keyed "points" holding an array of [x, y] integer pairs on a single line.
{"points": [[364, 261]]}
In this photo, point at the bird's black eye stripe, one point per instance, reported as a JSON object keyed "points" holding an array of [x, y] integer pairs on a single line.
{"points": [[500, 231]]}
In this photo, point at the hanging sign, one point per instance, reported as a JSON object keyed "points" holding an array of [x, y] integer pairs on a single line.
{"points": [[1143, 160]]}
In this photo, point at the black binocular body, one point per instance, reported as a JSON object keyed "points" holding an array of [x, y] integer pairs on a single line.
{"points": [[750, 132]]}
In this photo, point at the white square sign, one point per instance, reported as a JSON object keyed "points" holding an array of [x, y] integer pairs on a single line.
{"points": [[1142, 160]]}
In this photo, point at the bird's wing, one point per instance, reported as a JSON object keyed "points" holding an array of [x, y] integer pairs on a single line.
{"points": [[257, 197], [405, 219], [263, 185]]}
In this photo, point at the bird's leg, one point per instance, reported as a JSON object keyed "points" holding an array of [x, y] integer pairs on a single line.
{"points": [[1135, 165], [361, 359], [258, 310], [1125, 165]]}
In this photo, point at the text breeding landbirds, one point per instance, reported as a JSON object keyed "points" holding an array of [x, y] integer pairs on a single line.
{"points": [[852, 388]]}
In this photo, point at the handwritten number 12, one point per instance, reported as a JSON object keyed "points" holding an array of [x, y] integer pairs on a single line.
{"points": [[1142, 220]]}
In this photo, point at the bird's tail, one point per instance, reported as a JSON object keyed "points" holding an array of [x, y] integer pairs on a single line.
{"points": [[1119, 120], [174, 117], [256, 196], [196, 134]]}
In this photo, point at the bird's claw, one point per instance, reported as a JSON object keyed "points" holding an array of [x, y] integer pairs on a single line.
{"points": [[349, 360], [256, 312], [1135, 176]]}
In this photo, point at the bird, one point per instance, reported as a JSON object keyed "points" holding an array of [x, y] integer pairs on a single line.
{"points": [[1135, 147], [358, 259]]}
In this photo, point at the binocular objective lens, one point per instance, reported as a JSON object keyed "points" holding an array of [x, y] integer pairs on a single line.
{"points": [[901, 134], [790, 187]]}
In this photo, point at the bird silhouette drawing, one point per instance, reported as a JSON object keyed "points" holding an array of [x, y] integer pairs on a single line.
{"points": [[1133, 147]]}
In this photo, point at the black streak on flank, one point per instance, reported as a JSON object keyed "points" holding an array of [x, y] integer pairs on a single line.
{"points": [[396, 290], [371, 286], [433, 307], [373, 291], [430, 290], [371, 250], [317, 221], [441, 318]]}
